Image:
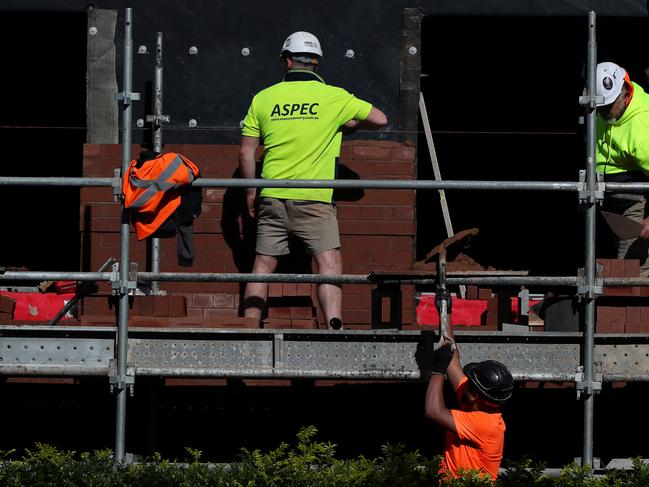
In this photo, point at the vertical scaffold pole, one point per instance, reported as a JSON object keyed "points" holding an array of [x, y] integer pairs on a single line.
{"points": [[122, 323], [591, 208], [157, 146]]}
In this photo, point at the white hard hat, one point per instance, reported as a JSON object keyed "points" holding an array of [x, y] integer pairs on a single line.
{"points": [[610, 80], [302, 42]]}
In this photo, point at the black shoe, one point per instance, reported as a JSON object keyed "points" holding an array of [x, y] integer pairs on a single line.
{"points": [[335, 323]]}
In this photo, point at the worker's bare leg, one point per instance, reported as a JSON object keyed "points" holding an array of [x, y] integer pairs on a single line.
{"points": [[635, 248], [257, 292], [330, 295]]}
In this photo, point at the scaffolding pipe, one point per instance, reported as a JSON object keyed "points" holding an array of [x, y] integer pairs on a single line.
{"points": [[340, 183], [315, 183], [157, 147], [122, 324], [591, 209], [309, 278]]}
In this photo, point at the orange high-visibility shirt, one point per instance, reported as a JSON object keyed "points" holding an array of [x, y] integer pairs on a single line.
{"points": [[478, 444], [153, 190]]}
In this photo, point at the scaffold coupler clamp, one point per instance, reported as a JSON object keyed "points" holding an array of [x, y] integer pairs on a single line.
{"points": [[126, 97], [118, 383], [124, 285], [582, 386], [583, 289], [591, 101], [158, 120], [117, 184], [584, 195]]}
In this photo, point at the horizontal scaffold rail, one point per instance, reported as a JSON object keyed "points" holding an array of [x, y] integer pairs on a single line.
{"points": [[316, 354], [312, 183], [454, 278]]}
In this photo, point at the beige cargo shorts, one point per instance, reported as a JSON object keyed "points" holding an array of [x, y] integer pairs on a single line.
{"points": [[313, 222]]}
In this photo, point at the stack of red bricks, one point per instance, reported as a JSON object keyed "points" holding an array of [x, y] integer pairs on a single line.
{"points": [[150, 311], [622, 309], [491, 319]]}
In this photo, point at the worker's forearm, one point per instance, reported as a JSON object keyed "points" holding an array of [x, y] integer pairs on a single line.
{"points": [[435, 396], [247, 167]]}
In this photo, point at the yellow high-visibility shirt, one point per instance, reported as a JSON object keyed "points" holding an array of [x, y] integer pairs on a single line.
{"points": [[299, 122]]}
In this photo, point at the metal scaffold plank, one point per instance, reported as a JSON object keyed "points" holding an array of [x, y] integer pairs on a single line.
{"points": [[375, 354]]}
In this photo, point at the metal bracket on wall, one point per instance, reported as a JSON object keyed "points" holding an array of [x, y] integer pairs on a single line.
{"points": [[118, 286], [595, 386], [583, 194], [119, 383]]}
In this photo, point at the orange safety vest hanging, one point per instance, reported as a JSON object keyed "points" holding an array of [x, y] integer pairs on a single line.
{"points": [[153, 190]]}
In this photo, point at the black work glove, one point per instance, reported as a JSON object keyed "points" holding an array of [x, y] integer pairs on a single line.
{"points": [[442, 358]]}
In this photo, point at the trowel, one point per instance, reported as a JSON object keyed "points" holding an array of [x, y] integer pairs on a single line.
{"points": [[623, 227]]}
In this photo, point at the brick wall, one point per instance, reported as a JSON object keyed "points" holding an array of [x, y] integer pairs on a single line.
{"points": [[377, 231]]}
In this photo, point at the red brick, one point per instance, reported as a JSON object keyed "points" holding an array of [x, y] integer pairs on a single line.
{"points": [[618, 268], [267, 382], [644, 314], [195, 312], [148, 321], [279, 312], [634, 323], [306, 324], [95, 193], [275, 289], [177, 307], [223, 300], [211, 195], [603, 320], [302, 312], [233, 322], [606, 266], [96, 305], [492, 305], [190, 322], [7, 305], [402, 213], [304, 289], [289, 289], [278, 323], [371, 212], [371, 152], [403, 154], [349, 212], [618, 318], [389, 197], [357, 301], [472, 292], [485, 293], [392, 168], [147, 305], [632, 268], [203, 300]]}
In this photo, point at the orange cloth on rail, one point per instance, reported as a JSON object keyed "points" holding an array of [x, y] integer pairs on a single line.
{"points": [[152, 189], [478, 444]]}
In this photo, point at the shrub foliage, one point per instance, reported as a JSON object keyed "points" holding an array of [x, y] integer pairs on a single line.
{"points": [[306, 463]]}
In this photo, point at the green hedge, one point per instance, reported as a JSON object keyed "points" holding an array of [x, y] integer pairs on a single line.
{"points": [[307, 463]]}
